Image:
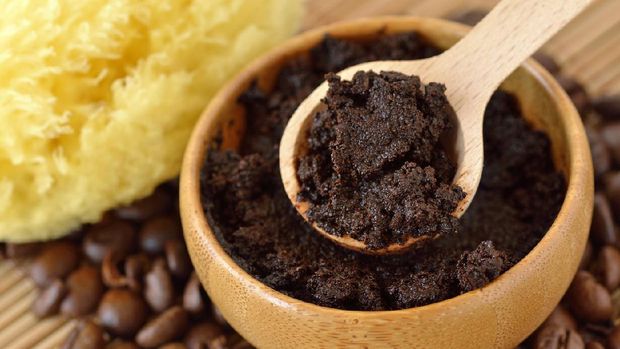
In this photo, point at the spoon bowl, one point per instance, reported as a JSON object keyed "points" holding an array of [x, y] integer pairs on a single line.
{"points": [[499, 315], [471, 70]]}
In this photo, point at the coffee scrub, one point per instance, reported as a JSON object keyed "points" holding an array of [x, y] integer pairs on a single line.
{"points": [[246, 206]]}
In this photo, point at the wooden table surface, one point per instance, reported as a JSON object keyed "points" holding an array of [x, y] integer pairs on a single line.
{"points": [[588, 49]]}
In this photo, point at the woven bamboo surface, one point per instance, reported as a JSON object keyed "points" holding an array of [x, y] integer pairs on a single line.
{"points": [[588, 49]]}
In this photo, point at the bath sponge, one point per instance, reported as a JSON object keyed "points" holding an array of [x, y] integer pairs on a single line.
{"points": [[98, 97]]}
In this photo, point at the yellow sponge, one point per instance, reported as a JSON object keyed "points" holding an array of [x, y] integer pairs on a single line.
{"points": [[98, 97]]}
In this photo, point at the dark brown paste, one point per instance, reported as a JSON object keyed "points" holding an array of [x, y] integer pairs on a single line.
{"points": [[245, 203], [375, 169]]}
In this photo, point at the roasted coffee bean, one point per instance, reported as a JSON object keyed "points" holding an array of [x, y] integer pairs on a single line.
{"points": [[589, 300], [601, 157], [587, 256], [100, 239], [613, 339], [218, 316], [173, 346], [594, 345], [22, 250], [611, 181], [242, 344], [470, 17], [581, 101], [122, 312], [84, 290], [608, 106], [155, 204], [569, 84], [610, 134], [205, 335], [547, 61], [157, 231], [55, 261], [603, 229], [166, 327], [192, 296], [557, 337], [120, 344], [177, 258], [112, 277], [135, 267], [561, 317], [86, 335], [48, 301], [608, 266], [158, 288]]}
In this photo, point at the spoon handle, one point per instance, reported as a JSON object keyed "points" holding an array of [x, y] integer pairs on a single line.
{"points": [[510, 33]]}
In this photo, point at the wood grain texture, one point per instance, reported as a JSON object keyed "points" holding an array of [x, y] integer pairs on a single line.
{"points": [[586, 51], [499, 315]]}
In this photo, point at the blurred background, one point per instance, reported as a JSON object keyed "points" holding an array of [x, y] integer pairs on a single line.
{"points": [[588, 49]]}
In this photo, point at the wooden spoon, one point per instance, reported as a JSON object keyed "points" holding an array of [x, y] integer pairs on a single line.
{"points": [[471, 70]]}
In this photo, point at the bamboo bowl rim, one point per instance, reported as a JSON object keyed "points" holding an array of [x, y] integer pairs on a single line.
{"points": [[579, 175]]}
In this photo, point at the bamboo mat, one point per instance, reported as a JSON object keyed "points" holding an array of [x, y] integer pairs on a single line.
{"points": [[588, 49]]}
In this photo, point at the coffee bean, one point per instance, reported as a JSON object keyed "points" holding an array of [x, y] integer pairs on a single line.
{"points": [[601, 158], [157, 231], [547, 62], [84, 289], [608, 106], [120, 344], [581, 101], [55, 261], [562, 318], [205, 335], [603, 229], [569, 84], [122, 312], [594, 345], [112, 277], [557, 337], [135, 267], [613, 339], [587, 256], [157, 203], [22, 250], [158, 288], [86, 335], [48, 301], [612, 191], [166, 327], [608, 266], [610, 134], [177, 258], [589, 300], [242, 344], [173, 346], [219, 317], [192, 296], [470, 17], [100, 239]]}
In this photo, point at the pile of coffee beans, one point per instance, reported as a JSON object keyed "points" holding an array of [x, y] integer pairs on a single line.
{"points": [[129, 280]]}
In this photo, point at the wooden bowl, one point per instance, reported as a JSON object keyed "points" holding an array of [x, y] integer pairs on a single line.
{"points": [[499, 315]]}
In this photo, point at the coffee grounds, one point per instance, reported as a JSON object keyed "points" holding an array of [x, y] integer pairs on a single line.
{"points": [[245, 203], [375, 169]]}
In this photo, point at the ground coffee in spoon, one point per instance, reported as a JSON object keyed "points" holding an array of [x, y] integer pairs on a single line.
{"points": [[375, 169]]}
